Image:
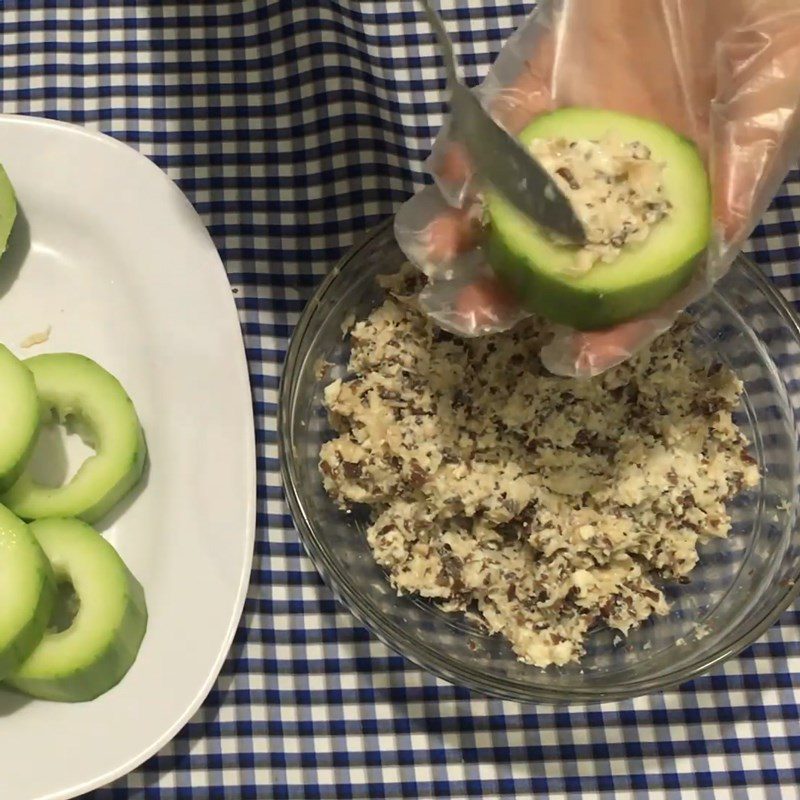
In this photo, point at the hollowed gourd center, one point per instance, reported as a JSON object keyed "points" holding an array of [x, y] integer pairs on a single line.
{"points": [[66, 607], [64, 444]]}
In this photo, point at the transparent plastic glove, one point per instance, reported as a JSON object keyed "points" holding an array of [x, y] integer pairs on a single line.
{"points": [[725, 73]]}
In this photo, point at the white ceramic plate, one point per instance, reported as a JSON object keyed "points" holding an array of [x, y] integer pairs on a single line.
{"points": [[110, 255]]}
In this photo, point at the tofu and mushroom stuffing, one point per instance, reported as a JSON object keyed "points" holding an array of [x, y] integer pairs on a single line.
{"points": [[544, 506], [616, 188]]}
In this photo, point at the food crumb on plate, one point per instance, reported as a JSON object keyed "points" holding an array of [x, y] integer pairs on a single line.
{"points": [[39, 337], [543, 506]]}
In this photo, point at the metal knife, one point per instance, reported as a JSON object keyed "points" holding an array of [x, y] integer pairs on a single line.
{"points": [[498, 157]]}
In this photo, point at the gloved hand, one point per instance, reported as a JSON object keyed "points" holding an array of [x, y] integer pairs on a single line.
{"points": [[725, 73]]}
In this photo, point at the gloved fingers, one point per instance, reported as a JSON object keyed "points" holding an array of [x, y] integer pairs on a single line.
{"points": [[585, 354], [472, 304]]}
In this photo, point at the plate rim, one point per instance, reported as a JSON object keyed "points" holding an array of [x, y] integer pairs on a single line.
{"points": [[105, 140]]}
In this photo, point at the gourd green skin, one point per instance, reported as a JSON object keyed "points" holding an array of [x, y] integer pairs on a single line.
{"points": [[8, 209], [19, 417], [98, 648], [27, 592], [536, 270], [71, 385]]}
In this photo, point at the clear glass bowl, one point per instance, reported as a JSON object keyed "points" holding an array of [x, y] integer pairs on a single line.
{"points": [[737, 591]]}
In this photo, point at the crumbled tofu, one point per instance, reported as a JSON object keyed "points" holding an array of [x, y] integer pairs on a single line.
{"points": [[615, 187], [321, 369], [348, 323], [701, 631], [542, 505]]}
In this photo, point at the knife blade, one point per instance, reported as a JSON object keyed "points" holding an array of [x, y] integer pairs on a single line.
{"points": [[499, 159]]}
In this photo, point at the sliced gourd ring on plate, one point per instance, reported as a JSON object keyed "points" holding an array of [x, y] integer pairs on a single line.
{"points": [[27, 592], [73, 387], [19, 417], [100, 635], [8, 209]]}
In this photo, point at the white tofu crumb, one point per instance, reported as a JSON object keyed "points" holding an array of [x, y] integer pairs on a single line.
{"points": [[321, 369], [701, 631], [349, 322]]}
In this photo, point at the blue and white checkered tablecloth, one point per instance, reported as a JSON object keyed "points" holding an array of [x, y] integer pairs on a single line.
{"points": [[294, 125]]}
